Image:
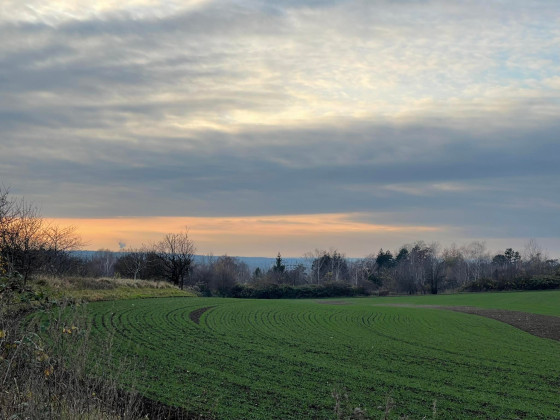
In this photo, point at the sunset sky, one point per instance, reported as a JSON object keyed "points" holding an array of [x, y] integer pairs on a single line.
{"points": [[269, 126]]}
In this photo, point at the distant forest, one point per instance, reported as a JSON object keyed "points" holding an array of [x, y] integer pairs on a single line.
{"points": [[31, 247]]}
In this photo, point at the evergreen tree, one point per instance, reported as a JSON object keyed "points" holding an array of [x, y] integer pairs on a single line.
{"points": [[279, 267]]}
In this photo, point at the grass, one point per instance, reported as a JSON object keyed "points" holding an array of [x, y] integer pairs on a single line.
{"points": [[43, 370], [538, 302], [91, 290], [265, 359], [45, 359]]}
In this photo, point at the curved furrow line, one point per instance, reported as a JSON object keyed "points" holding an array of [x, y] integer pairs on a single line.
{"points": [[246, 352], [133, 332]]}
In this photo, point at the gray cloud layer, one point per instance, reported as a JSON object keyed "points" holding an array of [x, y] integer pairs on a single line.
{"points": [[424, 113]]}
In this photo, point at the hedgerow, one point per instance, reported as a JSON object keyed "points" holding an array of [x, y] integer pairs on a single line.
{"points": [[283, 291], [543, 282]]}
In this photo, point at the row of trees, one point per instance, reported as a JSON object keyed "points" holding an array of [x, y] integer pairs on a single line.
{"points": [[415, 268], [28, 245], [425, 268]]}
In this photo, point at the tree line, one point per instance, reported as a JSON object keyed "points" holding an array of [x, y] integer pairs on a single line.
{"points": [[417, 268], [29, 245]]}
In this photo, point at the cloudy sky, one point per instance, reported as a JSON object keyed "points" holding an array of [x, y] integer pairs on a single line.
{"points": [[286, 126]]}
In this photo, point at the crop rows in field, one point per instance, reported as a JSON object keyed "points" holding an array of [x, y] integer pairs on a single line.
{"points": [[538, 302], [283, 359]]}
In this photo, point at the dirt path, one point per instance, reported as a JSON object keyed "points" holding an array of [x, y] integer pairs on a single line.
{"points": [[197, 313], [544, 326]]}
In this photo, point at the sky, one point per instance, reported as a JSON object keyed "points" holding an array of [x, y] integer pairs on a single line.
{"points": [[285, 126]]}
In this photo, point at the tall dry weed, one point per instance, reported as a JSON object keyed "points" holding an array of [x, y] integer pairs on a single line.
{"points": [[50, 367]]}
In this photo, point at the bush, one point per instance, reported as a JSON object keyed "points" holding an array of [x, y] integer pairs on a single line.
{"points": [[275, 291], [521, 283]]}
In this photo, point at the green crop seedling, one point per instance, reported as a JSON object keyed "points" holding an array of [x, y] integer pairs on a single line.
{"points": [[267, 359]]}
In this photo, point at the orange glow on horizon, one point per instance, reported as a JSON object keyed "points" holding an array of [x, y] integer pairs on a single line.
{"points": [[250, 234]]}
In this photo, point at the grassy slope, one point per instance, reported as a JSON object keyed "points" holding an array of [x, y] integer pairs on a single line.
{"points": [[92, 290], [283, 359], [124, 293], [36, 367]]}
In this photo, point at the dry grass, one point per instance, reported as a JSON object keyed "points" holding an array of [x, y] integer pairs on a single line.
{"points": [[80, 283], [95, 289], [44, 372], [345, 411], [45, 352]]}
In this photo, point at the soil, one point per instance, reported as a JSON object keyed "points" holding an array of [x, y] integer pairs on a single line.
{"points": [[196, 314], [544, 326]]}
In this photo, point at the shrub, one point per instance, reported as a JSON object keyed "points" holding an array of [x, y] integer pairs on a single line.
{"points": [[543, 282], [275, 291]]}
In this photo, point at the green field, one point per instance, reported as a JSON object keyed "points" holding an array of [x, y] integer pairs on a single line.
{"points": [[538, 302], [283, 358]]}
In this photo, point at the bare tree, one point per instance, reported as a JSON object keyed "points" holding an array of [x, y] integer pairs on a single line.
{"points": [[296, 275], [7, 217], [176, 252], [330, 266], [434, 267], [418, 268], [534, 258], [102, 263], [339, 267], [133, 262], [22, 239], [477, 258], [455, 266], [226, 272], [59, 242], [27, 243], [317, 261], [7, 212]]}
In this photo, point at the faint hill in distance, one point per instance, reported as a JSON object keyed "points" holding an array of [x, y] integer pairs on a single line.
{"points": [[264, 263]]}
